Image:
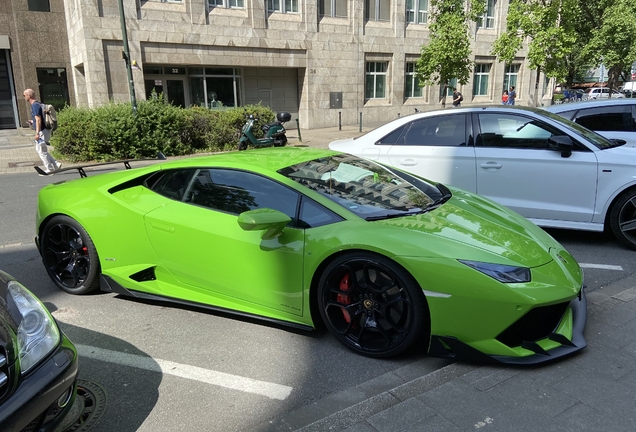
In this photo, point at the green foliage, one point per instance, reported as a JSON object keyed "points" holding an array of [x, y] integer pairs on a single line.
{"points": [[113, 132], [447, 55]]}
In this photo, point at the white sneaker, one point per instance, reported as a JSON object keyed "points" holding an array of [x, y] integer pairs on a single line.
{"points": [[59, 165]]}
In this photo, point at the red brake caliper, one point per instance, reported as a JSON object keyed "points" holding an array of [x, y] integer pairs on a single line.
{"points": [[345, 299]]}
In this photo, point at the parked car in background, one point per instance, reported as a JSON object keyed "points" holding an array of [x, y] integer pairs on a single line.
{"points": [[38, 364], [612, 118], [547, 168], [601, 93]]}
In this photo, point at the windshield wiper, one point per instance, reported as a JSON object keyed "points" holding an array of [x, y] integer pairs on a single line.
{"points": [[393, 215]]}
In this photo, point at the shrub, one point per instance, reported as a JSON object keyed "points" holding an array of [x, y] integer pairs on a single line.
{"points": [[113, 132]]}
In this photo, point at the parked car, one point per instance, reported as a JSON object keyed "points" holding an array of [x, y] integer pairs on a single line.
{"points": [[38, 364], [601, 92], [612, 118], [386, 260], [547, 168]]}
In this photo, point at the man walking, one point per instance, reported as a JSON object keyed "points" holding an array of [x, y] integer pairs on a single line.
{"points": [[42, 134], [457, 98], [512, 95]]}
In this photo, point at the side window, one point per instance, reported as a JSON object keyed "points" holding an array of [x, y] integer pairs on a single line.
{"points": [[393, 137], [314, 215], [617, 118], [513, 131], [233, 191], [171, 184], [447, 131], [567, 114]]}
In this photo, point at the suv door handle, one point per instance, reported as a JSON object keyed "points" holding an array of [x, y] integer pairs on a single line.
{"points": [[408, 162], [491, 165]]}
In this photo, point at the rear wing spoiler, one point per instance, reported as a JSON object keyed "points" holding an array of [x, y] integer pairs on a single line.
{"points": [[82, 173]]}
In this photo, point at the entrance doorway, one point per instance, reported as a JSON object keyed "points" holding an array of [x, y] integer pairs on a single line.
{"points": [[8, 103]]}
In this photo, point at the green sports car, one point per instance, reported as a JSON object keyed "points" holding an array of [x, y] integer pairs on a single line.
{"points": [[387, 260]]}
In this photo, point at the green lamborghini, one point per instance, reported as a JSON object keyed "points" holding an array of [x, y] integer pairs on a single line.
{"points": [[387, 260]]}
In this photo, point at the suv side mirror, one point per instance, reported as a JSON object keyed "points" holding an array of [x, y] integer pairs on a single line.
{"points": [[562, 143]]}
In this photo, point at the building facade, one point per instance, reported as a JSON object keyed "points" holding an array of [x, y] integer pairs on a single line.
{"points": [[327, 62]]}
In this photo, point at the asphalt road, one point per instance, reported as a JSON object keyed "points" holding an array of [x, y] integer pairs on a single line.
{"points": [[167, 368]]}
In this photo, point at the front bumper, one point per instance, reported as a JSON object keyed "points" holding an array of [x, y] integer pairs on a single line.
{"points": [[576, 314], [45, 396]]}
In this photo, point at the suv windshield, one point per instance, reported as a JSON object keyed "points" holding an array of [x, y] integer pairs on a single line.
{"points": [[368, 189]]}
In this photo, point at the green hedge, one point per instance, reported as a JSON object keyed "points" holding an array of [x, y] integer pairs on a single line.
{"points": [[112, 132]]}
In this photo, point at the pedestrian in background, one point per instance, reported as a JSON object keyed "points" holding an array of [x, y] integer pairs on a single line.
{"points": [[42, 134], [457, 98], [504, 97], [512, 95]]}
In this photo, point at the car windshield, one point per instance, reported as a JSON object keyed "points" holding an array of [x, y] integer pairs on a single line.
{"points": [[368, 189], [594, 138]]}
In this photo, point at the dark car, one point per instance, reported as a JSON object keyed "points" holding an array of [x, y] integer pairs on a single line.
{"points": [[38, 363]]}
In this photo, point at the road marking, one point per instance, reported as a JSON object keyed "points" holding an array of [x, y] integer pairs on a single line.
{"points": [[601, 266], [235, 382]]}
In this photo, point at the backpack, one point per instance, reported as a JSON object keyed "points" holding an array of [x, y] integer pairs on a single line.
{"points": [[50, 117]]}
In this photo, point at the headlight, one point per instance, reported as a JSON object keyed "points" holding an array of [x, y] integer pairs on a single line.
{"points": [[38, 334], [500, 272]]}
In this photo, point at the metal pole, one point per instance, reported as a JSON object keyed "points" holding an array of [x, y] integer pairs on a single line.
{"points": [[339, 120], [360, 121], [131, 83], [300, 138]]}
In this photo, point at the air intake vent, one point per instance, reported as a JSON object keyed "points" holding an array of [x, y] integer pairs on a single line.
{"points": [[537, 324], [144, 275]]}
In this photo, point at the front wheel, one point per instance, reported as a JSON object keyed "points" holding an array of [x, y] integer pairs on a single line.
{"points": [[623, 219], [372, 306], [242, 145], [69, 256]]}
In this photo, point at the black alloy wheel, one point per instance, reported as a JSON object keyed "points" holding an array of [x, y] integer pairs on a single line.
{"points": [[372, 305], [69, 255], [623, 219]]}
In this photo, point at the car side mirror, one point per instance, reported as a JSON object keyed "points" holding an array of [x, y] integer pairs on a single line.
{"points": [[562, 143], [273, 221]]}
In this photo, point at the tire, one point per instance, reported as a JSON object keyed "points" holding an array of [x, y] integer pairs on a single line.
{"points": [[372, 305], [242, 145], [282, 142], [622, 218], [69, 256]]}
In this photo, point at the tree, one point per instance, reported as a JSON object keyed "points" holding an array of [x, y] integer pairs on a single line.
{"points": [[549, 26], [447, 55], [613, 42]]}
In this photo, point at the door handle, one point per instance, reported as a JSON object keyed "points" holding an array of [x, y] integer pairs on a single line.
{"points": [[491, 165], [408, 162]]}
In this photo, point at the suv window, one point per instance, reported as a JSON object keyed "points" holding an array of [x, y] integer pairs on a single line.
{"points": [[609, 118]]}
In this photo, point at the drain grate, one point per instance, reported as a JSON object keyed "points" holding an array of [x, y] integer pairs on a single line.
{"points": [[22, 164], [88, 408]]}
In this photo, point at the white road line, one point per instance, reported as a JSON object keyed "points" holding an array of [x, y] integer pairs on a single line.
{"points": [[235, 382], [601, 266]]}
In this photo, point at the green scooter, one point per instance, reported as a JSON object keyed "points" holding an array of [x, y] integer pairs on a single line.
{"points": [[273, 133]]}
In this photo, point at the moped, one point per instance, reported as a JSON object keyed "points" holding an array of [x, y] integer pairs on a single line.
{"points": [[273, 133]]}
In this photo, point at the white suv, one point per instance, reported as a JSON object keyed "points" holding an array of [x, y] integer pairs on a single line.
{"points": [[601, 92]]}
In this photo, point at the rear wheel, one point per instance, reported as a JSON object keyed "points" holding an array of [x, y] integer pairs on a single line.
{"points": [[69, 255], [623, 218], [281, 142], [372, 305]]}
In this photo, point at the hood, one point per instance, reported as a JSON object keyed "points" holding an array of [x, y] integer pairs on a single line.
{"points": [[482, 230], [342, 144]]}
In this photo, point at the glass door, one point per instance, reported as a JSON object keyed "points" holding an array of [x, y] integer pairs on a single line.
{"points": [[175, 89]]}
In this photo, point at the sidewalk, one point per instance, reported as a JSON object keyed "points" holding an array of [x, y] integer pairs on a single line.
{"points": [[594, 390], [17, 148]]}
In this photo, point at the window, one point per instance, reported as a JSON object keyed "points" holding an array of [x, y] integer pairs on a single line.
{"points": [[452, 83], [39, 5], [417, 11], [226, 3], [513, 131], [53, 87], [314, 215], [333, 8], [608, 118], [480, 80], [282, 6], [442, 131], [215, 87], [487, 20], [411, 83], [235, 192], [375, 80], [377, 10], [510, 76]]}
